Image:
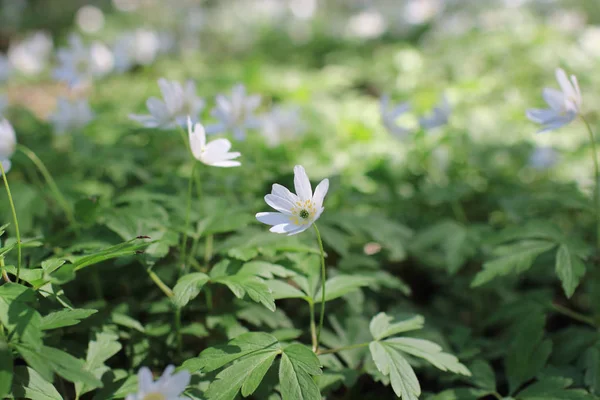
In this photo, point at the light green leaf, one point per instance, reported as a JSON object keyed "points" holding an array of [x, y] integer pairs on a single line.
{"points": [[297, 365], [66, 317], [554, 388], [429, 351], [28, 384], [265, 270], [251, 285], [6, 368], [188, 287], [390, 362], [105, 345], [569, 269], [283, 290], [513, 258], [381, 325], [22, 321], [51, 265], [340, 285]]}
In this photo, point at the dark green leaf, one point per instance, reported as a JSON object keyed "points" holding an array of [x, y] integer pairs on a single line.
{"points": [[188, 287], [62, 318]]}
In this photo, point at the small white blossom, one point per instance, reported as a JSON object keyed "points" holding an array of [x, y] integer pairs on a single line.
{"points": [[215, 153], [439, 116], [565, 104], [8, 143], [71, 115], [543, 158], [235, 113], [31, 55], [390, 114], [136, 48], [168, 387], [281, 124], [80, 64], [295, 212], [178, 103]]}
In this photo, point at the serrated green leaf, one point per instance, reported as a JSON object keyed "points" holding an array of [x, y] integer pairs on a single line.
{"points": [[6, 368], [554, 388], [295, 370], [341, 285], [461, 394], [51, 265], [22, 321], [188, 287], [381, 325], [429, 351], [569, 269], [251, 285], [62, 318], [28, 384], [265, 270], [390, 362], [591, 360], [304, 358], [283, 290], [105, 345], [483, 375]]}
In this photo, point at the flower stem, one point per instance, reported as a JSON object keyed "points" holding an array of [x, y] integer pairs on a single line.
{"points": [[187, 219], [574, 315], [3, 271], [178, 331], [162, 286], [16, 221], [313, 328], [323, 278], [337, 350], [596, 178], [51, 183]]}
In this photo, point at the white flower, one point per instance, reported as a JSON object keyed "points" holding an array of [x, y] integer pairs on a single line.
{"points": [[390, 114], [80, 64], [280, 124], [235, 112], [71, 115], [439, 116], [565, 104], [296, 212], [30, 56], [136, 48], [178, 104], [8, 143], [543, 158], [168, 387], [215, 153]]}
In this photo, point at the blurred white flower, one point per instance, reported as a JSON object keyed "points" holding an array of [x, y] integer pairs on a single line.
{"points": [[136, 48], [281, 124], [80, 64], [5, 68], [368, 24], [543, 158], [90, 19], [235, 113], [8, 143], [390, 114], [215, 153], [295, 212], [565, 104], [30, 55], [439, 116], [178, 103], [168, 387], [71, 115]]}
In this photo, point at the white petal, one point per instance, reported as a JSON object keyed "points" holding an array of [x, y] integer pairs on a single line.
{"points": [[279, 203], [226, 164], [300, 228], [565, 84], [176, 384], [6, 164], [288, 228], [272, 218], [301, 183], [554, 98], [146, 120], [281, 191], [218, 146], [578, 99], [320, 192], [540, 115], [145, 379]]}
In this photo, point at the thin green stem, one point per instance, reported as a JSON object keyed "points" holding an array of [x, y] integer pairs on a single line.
{"points": [[162, 286], [313, 327], [208, 249], [187, 219], [51, 183], [3, 271], [574, 315], [596, 178], [16, 221], [338, 349], [323, 278], [178, 331]]}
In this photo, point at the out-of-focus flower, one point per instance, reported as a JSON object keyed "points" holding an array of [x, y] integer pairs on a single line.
{"points": [[235, 113], [390, 114], [215, 153], [5, 68], [295, 212], [281, 124], [565, 104], [439, 116], [543, 158], [178, 103], [30, 55], [80, 64], [136, 48], [8, 143], [366, 25], [90, 19], [168, 387], [71, 115]]}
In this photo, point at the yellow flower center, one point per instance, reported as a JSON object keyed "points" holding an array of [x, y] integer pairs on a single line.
{"points": [[154, 396], [303, 211]]}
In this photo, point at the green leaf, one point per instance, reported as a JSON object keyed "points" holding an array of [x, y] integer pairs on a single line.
{"points": [[188, 287], [216, 357], [429, 351], [591, 360], [251, 285], [51, 265], [297, 365], [49, 359], [569, 269], [105, 345], [390, 362], [340, 285], [265, 270], [128, 248], [6, 368], [22, 321], [381, 325], [461, 394], [513, 258], [62, 318], [283, 290], [554, 388], [28, 384], [483, 375]]}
